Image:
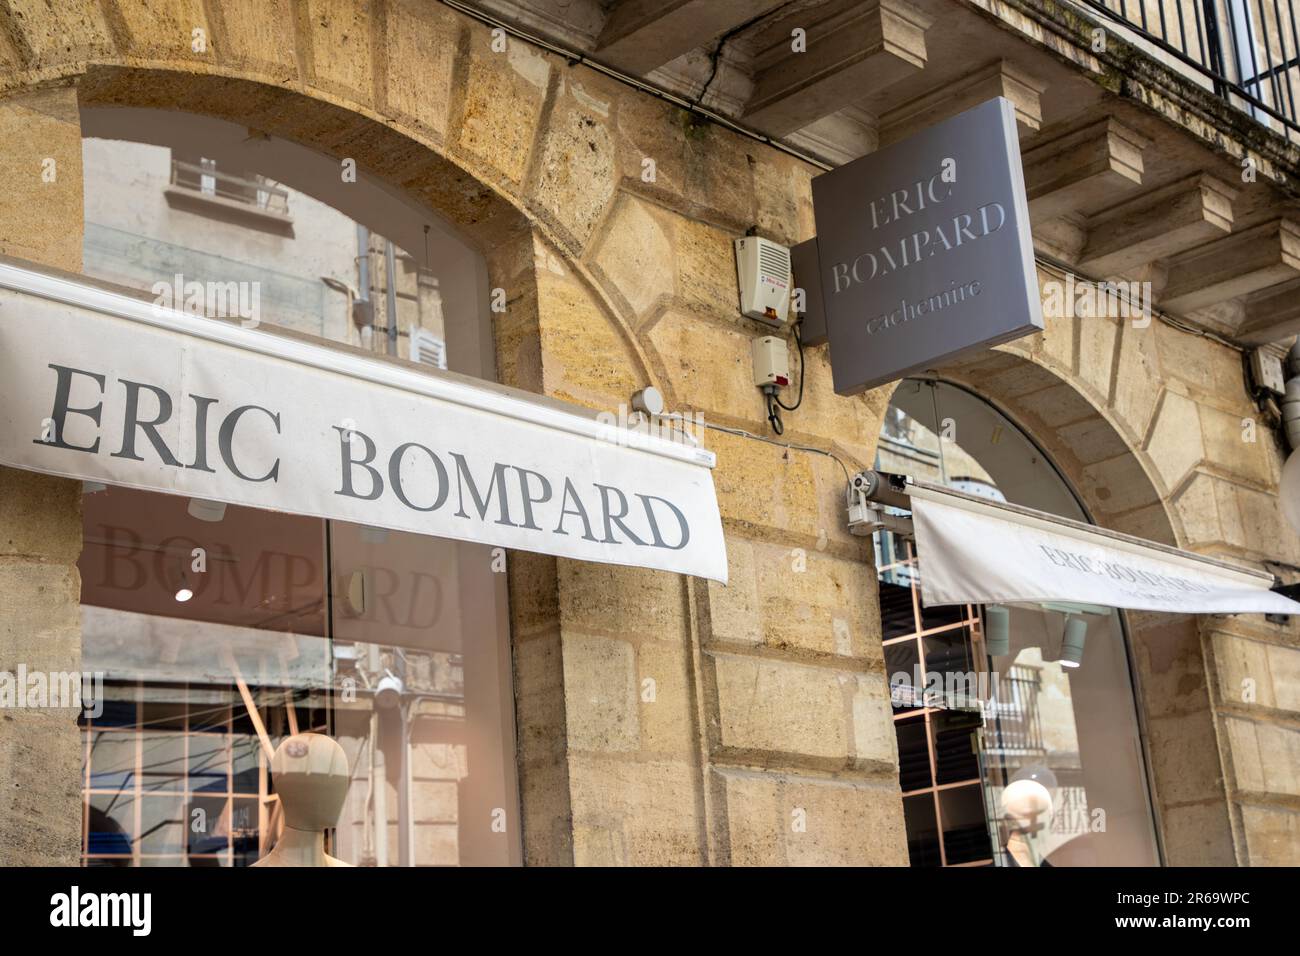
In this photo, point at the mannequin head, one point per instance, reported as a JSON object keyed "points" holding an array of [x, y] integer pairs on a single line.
{"points": [[1028, 804], [310, 772]]}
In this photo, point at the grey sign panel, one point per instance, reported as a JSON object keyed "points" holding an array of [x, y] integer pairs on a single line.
{"points": [[925, 250], [804, 264]]}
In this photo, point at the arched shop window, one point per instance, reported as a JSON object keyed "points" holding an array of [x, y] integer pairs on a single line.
{"points": [[1024, 756], [220, 629]]}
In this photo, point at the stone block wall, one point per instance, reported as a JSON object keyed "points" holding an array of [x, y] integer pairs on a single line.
{"points": [[40, 516], [661, 719]]}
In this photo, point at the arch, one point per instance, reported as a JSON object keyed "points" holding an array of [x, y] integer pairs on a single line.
{"points": [[551, 295], [497, 220], [1119, 487]]}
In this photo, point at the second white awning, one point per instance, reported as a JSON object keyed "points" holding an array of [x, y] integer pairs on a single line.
{"points": [[974, 551]]}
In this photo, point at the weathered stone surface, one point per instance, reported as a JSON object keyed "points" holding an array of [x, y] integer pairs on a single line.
{"points": [[40, 617], [1239, 444], [779, 820], [575, 172], [1139, 366], [40, 803], [1272, 835], [165, 28], [41, 204], [1175, 444], [668, 155], [708, 364], [706, 269], [785, 479], [585, 359], [1198, 835], [621, 601], [255, 35], [41, 517], [539, 694], [635, 256], [65, 32], [421, 43], [779, 713], [1284, 671], [601, 694], [503, 104], [667, 707], [733, 614], [814, 603], [1198, 510], [640, 814], [1185, 758], [338, 39]]}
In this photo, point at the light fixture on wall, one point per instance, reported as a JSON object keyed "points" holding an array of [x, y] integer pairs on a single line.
{"points": [[388, 692], [997, 630], [1076, 632]]}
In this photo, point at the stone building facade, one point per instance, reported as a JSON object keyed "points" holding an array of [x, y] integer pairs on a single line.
{"points": [[771, 691]]}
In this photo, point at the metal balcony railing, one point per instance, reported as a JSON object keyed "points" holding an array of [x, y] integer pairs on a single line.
{"points": [[1246, 51], [206, 178]]}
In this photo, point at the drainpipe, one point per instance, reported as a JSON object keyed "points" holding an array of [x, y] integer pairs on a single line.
{"points": [[390, 278], [379, 793], [367, 325]]}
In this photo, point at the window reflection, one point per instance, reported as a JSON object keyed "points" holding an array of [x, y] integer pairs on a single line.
{"points": [[294, 625], [1014, 758]]}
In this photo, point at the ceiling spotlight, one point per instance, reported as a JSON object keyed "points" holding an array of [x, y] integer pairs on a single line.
{"points": [[183, 595], [1076, 631], [212, 511], [997, 630]]}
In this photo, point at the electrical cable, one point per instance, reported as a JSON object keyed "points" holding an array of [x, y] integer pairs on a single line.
{"points": [[773, 414], [798, 339], [789, 446]]}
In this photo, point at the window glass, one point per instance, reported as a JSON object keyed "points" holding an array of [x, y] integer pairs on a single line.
{"points": [[219, 630], [1025, 757]]}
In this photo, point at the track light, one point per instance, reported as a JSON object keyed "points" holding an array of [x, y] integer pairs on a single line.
{"points": [[212, 511], [1076, 631], [388, 692], [997, 630]]}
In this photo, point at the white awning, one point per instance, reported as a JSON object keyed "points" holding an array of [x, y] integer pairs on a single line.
{"points": [[103, 386], [976, 551]]}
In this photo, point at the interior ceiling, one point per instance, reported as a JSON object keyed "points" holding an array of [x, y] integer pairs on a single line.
{"points": [[264, 569]]}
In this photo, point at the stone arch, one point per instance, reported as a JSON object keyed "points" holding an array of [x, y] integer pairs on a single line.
{"points": [[370, 104], [1120, 488]]}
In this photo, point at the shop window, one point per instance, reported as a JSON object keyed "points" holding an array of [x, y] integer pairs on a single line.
{"points": [[1019, 758], [220, 630]]}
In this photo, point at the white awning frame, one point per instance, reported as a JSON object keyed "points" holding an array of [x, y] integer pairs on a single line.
{"points": [[877, 491], [1080, 531], [278, 343], [66, 339]]}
